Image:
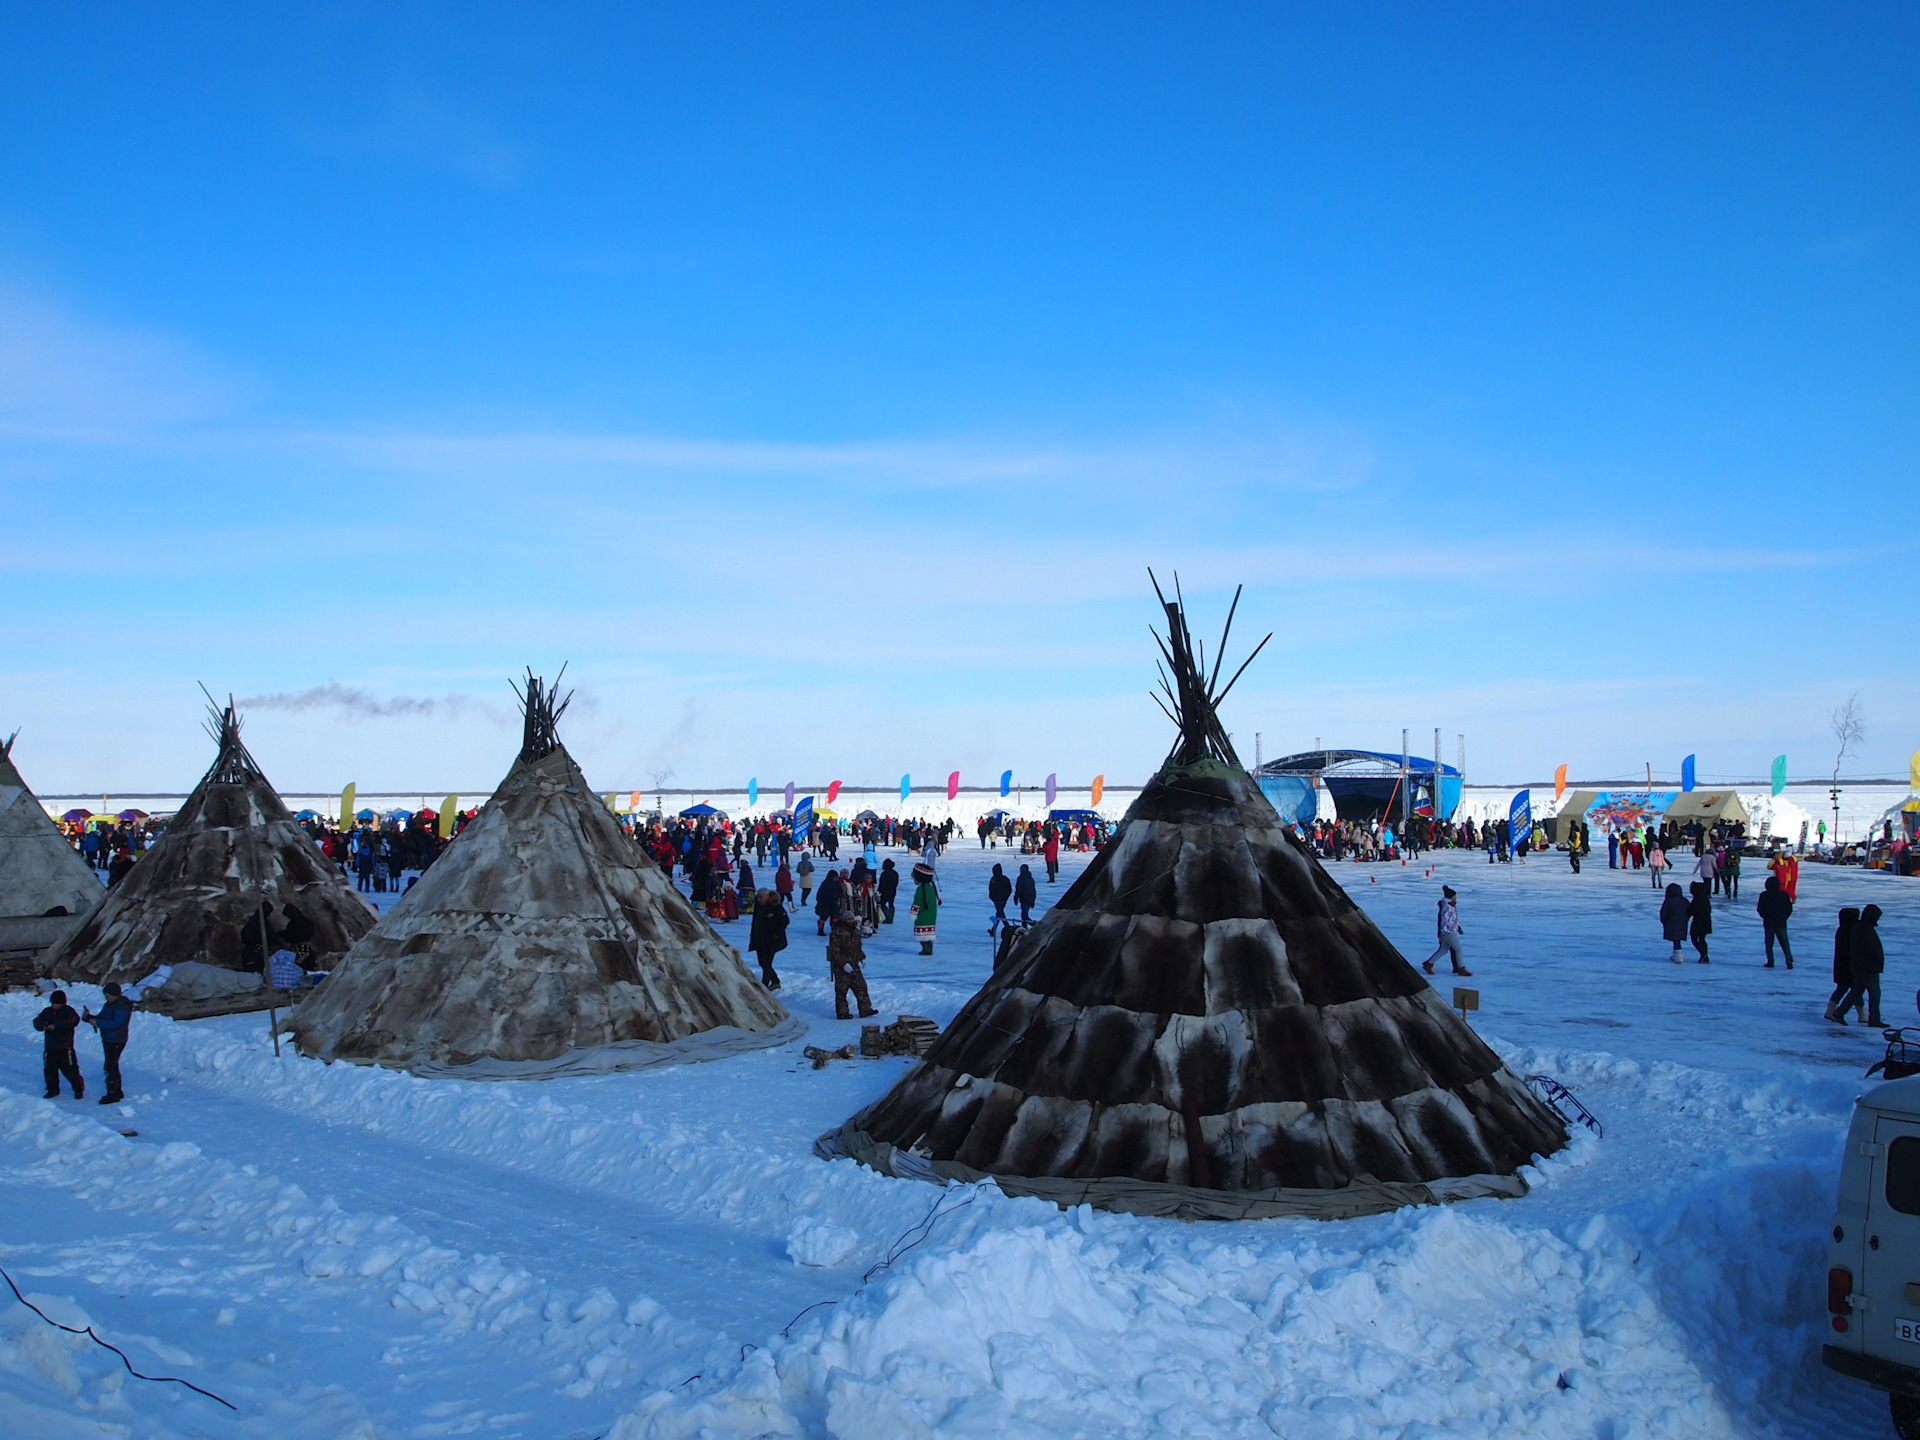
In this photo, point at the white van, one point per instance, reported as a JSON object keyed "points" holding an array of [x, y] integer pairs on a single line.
{"points": [[1873, 1287]]}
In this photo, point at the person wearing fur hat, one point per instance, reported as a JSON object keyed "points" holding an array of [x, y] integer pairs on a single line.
{"points": [[926, 906], [845, 955]]}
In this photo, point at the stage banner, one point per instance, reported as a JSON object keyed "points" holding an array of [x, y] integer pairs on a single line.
{"points": [[1779, 773], [1006, 783], [833, 792], [1099, 789], [803, 820], [449, 812], [1053, 789], [953, 785], [1520, 819], [1559, 784], [1686, 773], [753, 793]]}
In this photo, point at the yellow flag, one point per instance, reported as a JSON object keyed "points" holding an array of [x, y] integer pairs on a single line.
{"points": [[346, 806], [1559, 782], [449, 812], [1913, 768], [1099, 789], [613, 803]]}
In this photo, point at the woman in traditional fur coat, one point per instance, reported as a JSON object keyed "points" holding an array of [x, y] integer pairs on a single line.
{"points": [[926, 906]]}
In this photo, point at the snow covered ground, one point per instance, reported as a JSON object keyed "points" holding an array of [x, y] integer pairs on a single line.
{"points": [[350, 1252]]}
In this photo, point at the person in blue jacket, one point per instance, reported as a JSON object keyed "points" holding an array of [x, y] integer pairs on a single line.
{"points": [[112, 1022]]}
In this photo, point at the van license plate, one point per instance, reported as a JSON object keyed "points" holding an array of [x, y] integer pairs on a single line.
{"points": [[1908, 1330]]}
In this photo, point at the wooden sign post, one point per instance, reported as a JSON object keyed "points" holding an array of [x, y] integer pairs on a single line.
{"points": [[1465, 1000]]}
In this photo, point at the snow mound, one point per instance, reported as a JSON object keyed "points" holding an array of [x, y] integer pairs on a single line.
{"points": [[820, 1242]]}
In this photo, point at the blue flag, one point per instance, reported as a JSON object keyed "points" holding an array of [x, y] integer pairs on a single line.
{"points": [[803, 821], [1520, 819], [1686, 773], [753, 793], [906, 786], [1779, 773], [1006, 783]]}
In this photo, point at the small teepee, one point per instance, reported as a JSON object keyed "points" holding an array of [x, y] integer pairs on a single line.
{"points": [[45, 887], [1206, 1026], [230, 848], [543, 942]]}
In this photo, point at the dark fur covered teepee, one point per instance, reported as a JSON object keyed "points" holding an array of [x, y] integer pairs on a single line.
{"points": [[1205, 1025], [232, 845], [543, 942]]}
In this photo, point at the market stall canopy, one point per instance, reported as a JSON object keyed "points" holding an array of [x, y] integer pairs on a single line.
{"points": [[701, 811]]}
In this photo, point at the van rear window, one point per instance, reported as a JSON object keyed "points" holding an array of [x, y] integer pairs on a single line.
{"points": [[1903, 1175]]}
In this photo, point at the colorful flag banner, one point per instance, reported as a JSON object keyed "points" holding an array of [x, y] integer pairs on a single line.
{"points": [[1559, 784], [1053, 789], [1686, 773], [753, 792], [346, 804], [1099, 789], [953, 785], [1779, 773], [803, 820], [1913, 771], [449, 812], [789, 795], [1520, 819], [1006, 783], [633, 802], [906, 786], [833, 792]]}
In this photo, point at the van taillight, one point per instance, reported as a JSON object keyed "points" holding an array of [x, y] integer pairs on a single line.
{"points": [[1839, 1287]]}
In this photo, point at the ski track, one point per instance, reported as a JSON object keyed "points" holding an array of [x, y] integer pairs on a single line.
{"points": [[350, 1251]]}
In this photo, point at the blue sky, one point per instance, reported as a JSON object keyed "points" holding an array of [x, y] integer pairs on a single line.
{"points": [[820, 382]]}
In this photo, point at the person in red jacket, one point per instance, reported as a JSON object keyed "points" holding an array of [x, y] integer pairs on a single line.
{"points": [[1052, 851]]}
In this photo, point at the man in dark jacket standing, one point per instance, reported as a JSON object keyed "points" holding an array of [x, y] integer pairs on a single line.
{"points": [[999, 891], [826, 903], [58, 1022], [889, 888], [1026, 894], [1869, 960], [1673, 919], [112, 1022], [1775, 906]]}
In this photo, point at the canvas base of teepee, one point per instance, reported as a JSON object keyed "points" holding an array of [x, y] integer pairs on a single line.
{"points": [[618, 1058], [1364, 1196]]}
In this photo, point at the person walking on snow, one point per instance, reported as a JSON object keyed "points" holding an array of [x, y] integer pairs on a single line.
{"points": [[1051, 852], [889, 889], [1869, 961], [1842, 965], [999, 891], [804, 870], [1450, 933], [1026, 894], [58, 1022], [1673, 920], [111, 1023], [926, 907], [1700, 918], [1774, 908], [826, 904], [768, 935], [845, 954], [1656, 861]]}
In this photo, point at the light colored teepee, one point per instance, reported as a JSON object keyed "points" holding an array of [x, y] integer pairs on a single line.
{"points": [[543, 942], [45, 887], [1206, 1026], [231, 847]]}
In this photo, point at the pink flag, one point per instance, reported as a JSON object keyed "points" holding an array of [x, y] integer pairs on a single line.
{"points": [[833, 792], [953, 785]]}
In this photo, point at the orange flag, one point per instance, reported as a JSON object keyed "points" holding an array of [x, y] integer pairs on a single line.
{"points": [[1099, 789], [1559, 782]]}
